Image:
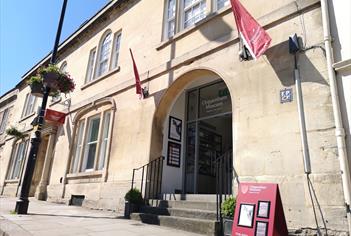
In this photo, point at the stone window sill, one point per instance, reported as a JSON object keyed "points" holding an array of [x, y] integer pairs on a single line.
{"points": [[193, 28], [11, 181], [26, 117], [102, 77], [87, 174]]}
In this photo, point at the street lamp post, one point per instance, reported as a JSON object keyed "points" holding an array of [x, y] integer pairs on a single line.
{"points": [[22, 203]]}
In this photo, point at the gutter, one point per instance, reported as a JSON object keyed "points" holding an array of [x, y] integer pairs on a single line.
{"points": [[339, 129]]}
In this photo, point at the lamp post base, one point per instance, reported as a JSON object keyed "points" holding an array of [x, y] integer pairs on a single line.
{"points": [[22, 206]]}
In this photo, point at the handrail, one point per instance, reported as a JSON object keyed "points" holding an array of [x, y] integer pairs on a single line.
{"points": [[151, 183], [224, 182]]}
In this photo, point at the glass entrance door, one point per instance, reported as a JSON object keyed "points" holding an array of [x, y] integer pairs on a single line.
{"points": [[209, 135]]}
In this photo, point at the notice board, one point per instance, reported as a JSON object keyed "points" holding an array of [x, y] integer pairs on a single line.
{"points": [[259, 211]]}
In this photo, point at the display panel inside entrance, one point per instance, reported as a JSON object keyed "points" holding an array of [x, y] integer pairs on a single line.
{"points": [[209, 137]]}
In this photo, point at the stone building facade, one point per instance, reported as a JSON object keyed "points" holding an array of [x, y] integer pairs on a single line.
{"points": [[187, 56]]}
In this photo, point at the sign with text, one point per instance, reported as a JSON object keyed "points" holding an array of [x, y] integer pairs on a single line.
{"points": [[53, 116], [259, 211]]}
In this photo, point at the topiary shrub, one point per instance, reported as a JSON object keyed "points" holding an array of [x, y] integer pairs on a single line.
{"points": [[134, 196]]}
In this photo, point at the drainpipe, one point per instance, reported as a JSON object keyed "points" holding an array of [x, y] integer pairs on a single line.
{"points": [[339, 130]]}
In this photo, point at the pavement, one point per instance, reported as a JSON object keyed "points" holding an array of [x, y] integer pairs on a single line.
{"points": [[51, 219]]}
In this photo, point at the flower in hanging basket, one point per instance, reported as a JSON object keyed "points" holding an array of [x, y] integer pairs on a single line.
{"points": [[13, 131], [66, 83]]}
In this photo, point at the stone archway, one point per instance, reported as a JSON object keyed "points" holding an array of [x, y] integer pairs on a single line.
{"points": [[199, 80]]}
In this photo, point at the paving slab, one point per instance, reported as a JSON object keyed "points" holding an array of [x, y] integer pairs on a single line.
{"points": [[45, 218]]}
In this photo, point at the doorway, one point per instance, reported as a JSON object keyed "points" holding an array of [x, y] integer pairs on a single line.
{"points": [[208, 135]]}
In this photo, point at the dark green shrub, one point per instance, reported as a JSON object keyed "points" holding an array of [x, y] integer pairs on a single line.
{"points": [[134, 196], [228, 207], [13, 131]]}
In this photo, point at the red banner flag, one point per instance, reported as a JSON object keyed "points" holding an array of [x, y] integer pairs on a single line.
{"points": [[54, 116], [255, 38], [137, 78]]}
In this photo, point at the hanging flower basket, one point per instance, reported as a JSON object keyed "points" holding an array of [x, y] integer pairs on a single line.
{"points": [[54, 79], [37, 87]]}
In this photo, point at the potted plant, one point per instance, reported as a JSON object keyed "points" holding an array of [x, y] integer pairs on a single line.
{"points": [[13, 131], [228, 209], [133, 202]]}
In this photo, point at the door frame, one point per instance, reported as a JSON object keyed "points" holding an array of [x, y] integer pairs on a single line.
{"points": [[196, 121]]}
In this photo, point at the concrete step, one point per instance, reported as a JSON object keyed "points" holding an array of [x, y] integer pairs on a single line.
{"points": [[181, 212], [200, 226], [182, 204]]}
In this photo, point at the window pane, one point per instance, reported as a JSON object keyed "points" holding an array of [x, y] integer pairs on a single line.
{"points": [[222, 3], [171, 9], [5, 115], [116, 50], [192, 108], [90, 68], [194, 11], [94, 129], [79, 140], [104, 141], [91, 156], [214, 99], [19, 157], [171, 28], [104, 54], [29, 105], [90, 148]]}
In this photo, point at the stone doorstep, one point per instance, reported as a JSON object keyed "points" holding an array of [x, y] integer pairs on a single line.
{"points": [[201, 226], [181, 212], [184, 204]]}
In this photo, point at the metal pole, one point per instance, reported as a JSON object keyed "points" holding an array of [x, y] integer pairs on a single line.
{"points": [[306, 153], [22, 203]]}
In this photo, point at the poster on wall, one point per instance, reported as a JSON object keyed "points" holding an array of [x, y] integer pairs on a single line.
{"points": [[246, 215], [175, 129], [173, 155]]}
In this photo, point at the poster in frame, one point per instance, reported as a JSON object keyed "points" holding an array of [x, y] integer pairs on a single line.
{"points": [[246, 215], [261, 228], [175, 129], [173, 154], [263, 209]]}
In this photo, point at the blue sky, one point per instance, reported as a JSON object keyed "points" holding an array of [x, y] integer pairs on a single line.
{"points": [[28, 30]]}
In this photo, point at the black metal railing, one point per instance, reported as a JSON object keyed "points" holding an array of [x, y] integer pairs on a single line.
{"points": [[224, 182], [150, 176]]}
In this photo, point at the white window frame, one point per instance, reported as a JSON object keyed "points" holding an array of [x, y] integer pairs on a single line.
{"points": [[216, 2], [180, 10], [89, 143], [17, 160], [4, 117], [116, 45], [81, 147], [29, 105], [191, 6], [169, 19], [91, 66], [99, 60]]}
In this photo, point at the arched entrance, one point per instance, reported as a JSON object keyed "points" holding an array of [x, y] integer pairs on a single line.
{"points": [[196, 130]]}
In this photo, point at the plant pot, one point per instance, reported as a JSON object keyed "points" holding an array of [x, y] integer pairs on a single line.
{"points": [[227, 226], [50, 79], [130, 208], [37, 89]]}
